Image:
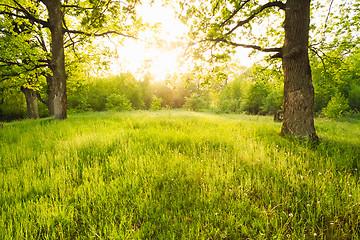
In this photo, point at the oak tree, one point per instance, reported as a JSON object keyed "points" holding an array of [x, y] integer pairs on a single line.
{"points": [[224, 23], [22, 58], [72, 22]]}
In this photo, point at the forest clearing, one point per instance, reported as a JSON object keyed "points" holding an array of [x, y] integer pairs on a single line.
{"points": [[177, 175], [155, 119]]}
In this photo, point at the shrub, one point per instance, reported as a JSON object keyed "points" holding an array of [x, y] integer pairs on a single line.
{"points": [[255, 98], [196, 102], [230, 105], [354, 97], [273, 102], [156, 103], [230, 99], [336, 107], [12, 105], [78, 103], [118, 102]]}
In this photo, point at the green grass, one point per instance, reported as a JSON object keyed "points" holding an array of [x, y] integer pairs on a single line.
{"points": [[177, 175]]}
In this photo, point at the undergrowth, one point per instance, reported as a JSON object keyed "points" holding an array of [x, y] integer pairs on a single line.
{"points": [[177, 175]]}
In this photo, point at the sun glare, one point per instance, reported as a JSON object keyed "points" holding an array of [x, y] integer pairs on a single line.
{"points": [[136, 57]]}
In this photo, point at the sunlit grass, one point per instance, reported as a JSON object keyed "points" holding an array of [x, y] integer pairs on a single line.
{"points": [[177, 175]]}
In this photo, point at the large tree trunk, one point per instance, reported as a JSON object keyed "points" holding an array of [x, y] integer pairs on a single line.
{"points": [[57, 58], [298, 105], [31, 102], [49, 102], [50, 93]]}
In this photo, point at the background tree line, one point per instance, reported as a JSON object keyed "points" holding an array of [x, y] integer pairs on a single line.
{"points": [[256, 90]]}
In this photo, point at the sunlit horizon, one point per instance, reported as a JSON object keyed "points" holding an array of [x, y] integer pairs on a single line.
{"points": [[136, 57], [160, 61]]}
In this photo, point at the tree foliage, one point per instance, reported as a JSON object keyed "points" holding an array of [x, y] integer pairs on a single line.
{"points": [[70, 23]]}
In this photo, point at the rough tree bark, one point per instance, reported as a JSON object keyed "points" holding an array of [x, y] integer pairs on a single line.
{"points": [[50, 94], [31, 102], [298, 103], [57, 64], [49, 102]]}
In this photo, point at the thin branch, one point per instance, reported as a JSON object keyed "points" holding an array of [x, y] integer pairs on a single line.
{"points": [[106, 6], [100, 34], [214, 8], [72, 43], [234, 13], [321, 58], [10, 63], [71, 39], [326, 20], [116, 48], [32, 18], [38, 96], [77, 6], [11, 7], [14, 74], [217, 40], [278, 4]]}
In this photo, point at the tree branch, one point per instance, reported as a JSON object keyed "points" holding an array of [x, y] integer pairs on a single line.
{"points": [[320, 57], [11, 7], [234, 13], [326, 21], [217, 40], [278, 4], [76, 6], [21, 64], [38, 96], [99, 34], [28, 17], [15, 74], [71, 39]]}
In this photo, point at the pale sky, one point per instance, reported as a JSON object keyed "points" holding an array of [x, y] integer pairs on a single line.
{"points": [[133, 54]]}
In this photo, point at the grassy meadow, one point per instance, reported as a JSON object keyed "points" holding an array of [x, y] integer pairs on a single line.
{"points": [[177, 175]]}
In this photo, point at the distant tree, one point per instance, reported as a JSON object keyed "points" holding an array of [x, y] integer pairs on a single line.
{"points": [[335, 56], [156, 103], [166, 93], [118, 102], [232, 95], [255, 97], [146, 90], [197, 102], [336, 107]]}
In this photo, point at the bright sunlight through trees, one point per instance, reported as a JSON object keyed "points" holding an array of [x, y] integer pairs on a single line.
{"points": [[137, 57], [179, 119]]}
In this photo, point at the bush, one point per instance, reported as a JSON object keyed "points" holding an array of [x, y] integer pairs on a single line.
{"points": [[273, 102], [336, 107], [320, 101], [230, 105], [255, 98], [78, 103], [230, 99], [196, 102], [156, 103], [354, 98], [12, 105], [118, 102]]}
